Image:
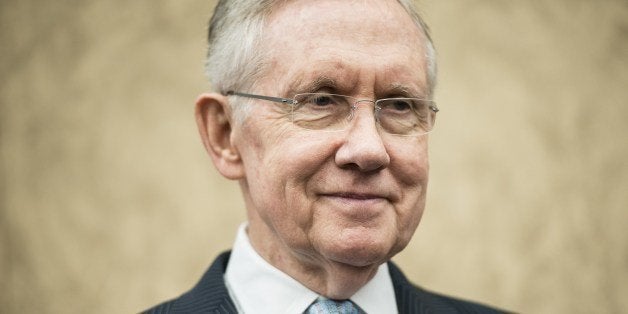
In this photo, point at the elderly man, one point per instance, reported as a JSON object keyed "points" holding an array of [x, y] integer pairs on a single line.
{"points": [[321, 112]]}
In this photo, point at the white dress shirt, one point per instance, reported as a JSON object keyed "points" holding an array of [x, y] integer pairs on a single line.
{"points": [[256, 286]]}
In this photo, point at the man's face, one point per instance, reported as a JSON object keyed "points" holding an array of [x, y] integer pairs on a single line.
{"points": [[354, 196]]}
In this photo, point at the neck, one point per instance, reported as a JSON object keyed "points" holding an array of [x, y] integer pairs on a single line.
{"points": [[328, 278], [336, 280]]}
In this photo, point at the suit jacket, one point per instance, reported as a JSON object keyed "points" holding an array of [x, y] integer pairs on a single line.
{"points": [[210, 295]]}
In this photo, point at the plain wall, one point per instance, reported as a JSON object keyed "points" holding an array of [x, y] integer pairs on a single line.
{"points": [[108, 202]]}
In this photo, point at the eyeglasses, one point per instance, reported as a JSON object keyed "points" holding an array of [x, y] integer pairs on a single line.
{"points": [[331, 112]]}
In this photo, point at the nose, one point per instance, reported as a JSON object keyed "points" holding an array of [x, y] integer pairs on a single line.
{"points": [[363, 147]]}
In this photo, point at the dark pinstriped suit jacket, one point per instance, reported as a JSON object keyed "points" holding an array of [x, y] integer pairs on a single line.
{"points": [[210, 296]]}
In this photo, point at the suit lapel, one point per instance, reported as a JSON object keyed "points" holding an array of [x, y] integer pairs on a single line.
{"points": [[210, 294], [412, 299], [408, 301]]}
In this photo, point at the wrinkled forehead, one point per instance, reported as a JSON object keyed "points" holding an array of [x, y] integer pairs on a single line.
{"points": [[368, 21], [342, 39]]}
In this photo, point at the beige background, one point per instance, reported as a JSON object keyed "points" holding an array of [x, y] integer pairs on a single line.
{"points": [[108, 203]]}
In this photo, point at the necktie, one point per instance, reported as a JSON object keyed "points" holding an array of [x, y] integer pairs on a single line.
{"points": [[328, 306]]}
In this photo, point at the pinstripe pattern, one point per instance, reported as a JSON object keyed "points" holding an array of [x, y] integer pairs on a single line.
{"points": [[414, 300], [210, 296]]}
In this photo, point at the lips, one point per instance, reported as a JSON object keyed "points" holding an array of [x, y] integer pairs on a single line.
{"points": [[356, 196], [362, 208], [356, 200]]}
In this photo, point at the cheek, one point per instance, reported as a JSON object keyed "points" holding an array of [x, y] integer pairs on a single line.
{"points": [[279, 165], [410, 167], [412, 216], [302, 159], [288, 200]]}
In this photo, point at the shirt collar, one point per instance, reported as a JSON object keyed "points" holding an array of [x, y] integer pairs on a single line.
{"points": [[258, 287]]}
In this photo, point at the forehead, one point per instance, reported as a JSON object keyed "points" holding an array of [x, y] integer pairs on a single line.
{"points": [[348, 42]]}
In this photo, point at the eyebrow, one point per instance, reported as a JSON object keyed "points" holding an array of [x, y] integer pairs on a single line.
{"points": [[313, 86], [401, 90], [323, 81]]}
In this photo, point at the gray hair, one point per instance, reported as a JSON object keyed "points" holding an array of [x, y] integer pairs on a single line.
{"points": [[236, 29]]}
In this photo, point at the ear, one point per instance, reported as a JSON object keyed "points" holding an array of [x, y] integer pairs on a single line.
{"points": [[215, 127]]}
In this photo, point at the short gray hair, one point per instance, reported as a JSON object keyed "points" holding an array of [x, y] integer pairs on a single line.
{"points": [[236, 29]]}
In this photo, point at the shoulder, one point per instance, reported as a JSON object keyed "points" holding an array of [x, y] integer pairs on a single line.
{"points": [[209, 295], [413, 299]]}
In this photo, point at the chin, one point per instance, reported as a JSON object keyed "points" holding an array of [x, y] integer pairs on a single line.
{"points": [[360, 253], [358, 261]]}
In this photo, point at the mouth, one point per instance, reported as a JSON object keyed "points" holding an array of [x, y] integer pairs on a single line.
{"points": [[356, 207], [353, 200], [356, 196]]}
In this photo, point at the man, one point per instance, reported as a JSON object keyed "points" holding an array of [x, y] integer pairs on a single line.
{"points": [[321, 112]]}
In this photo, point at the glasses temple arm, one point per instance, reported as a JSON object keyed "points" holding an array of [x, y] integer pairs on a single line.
{"points": [[273, 99]]}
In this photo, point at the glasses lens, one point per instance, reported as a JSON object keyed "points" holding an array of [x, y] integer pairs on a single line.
{"points": [[320, 111], [406, 116], [331, 112]]}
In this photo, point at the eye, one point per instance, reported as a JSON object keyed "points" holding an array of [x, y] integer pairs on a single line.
{"points": [[321, 100], [401, 104], [318, 100]]}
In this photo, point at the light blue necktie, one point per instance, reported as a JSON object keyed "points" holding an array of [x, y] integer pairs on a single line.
{"points": [[328, 306]]}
